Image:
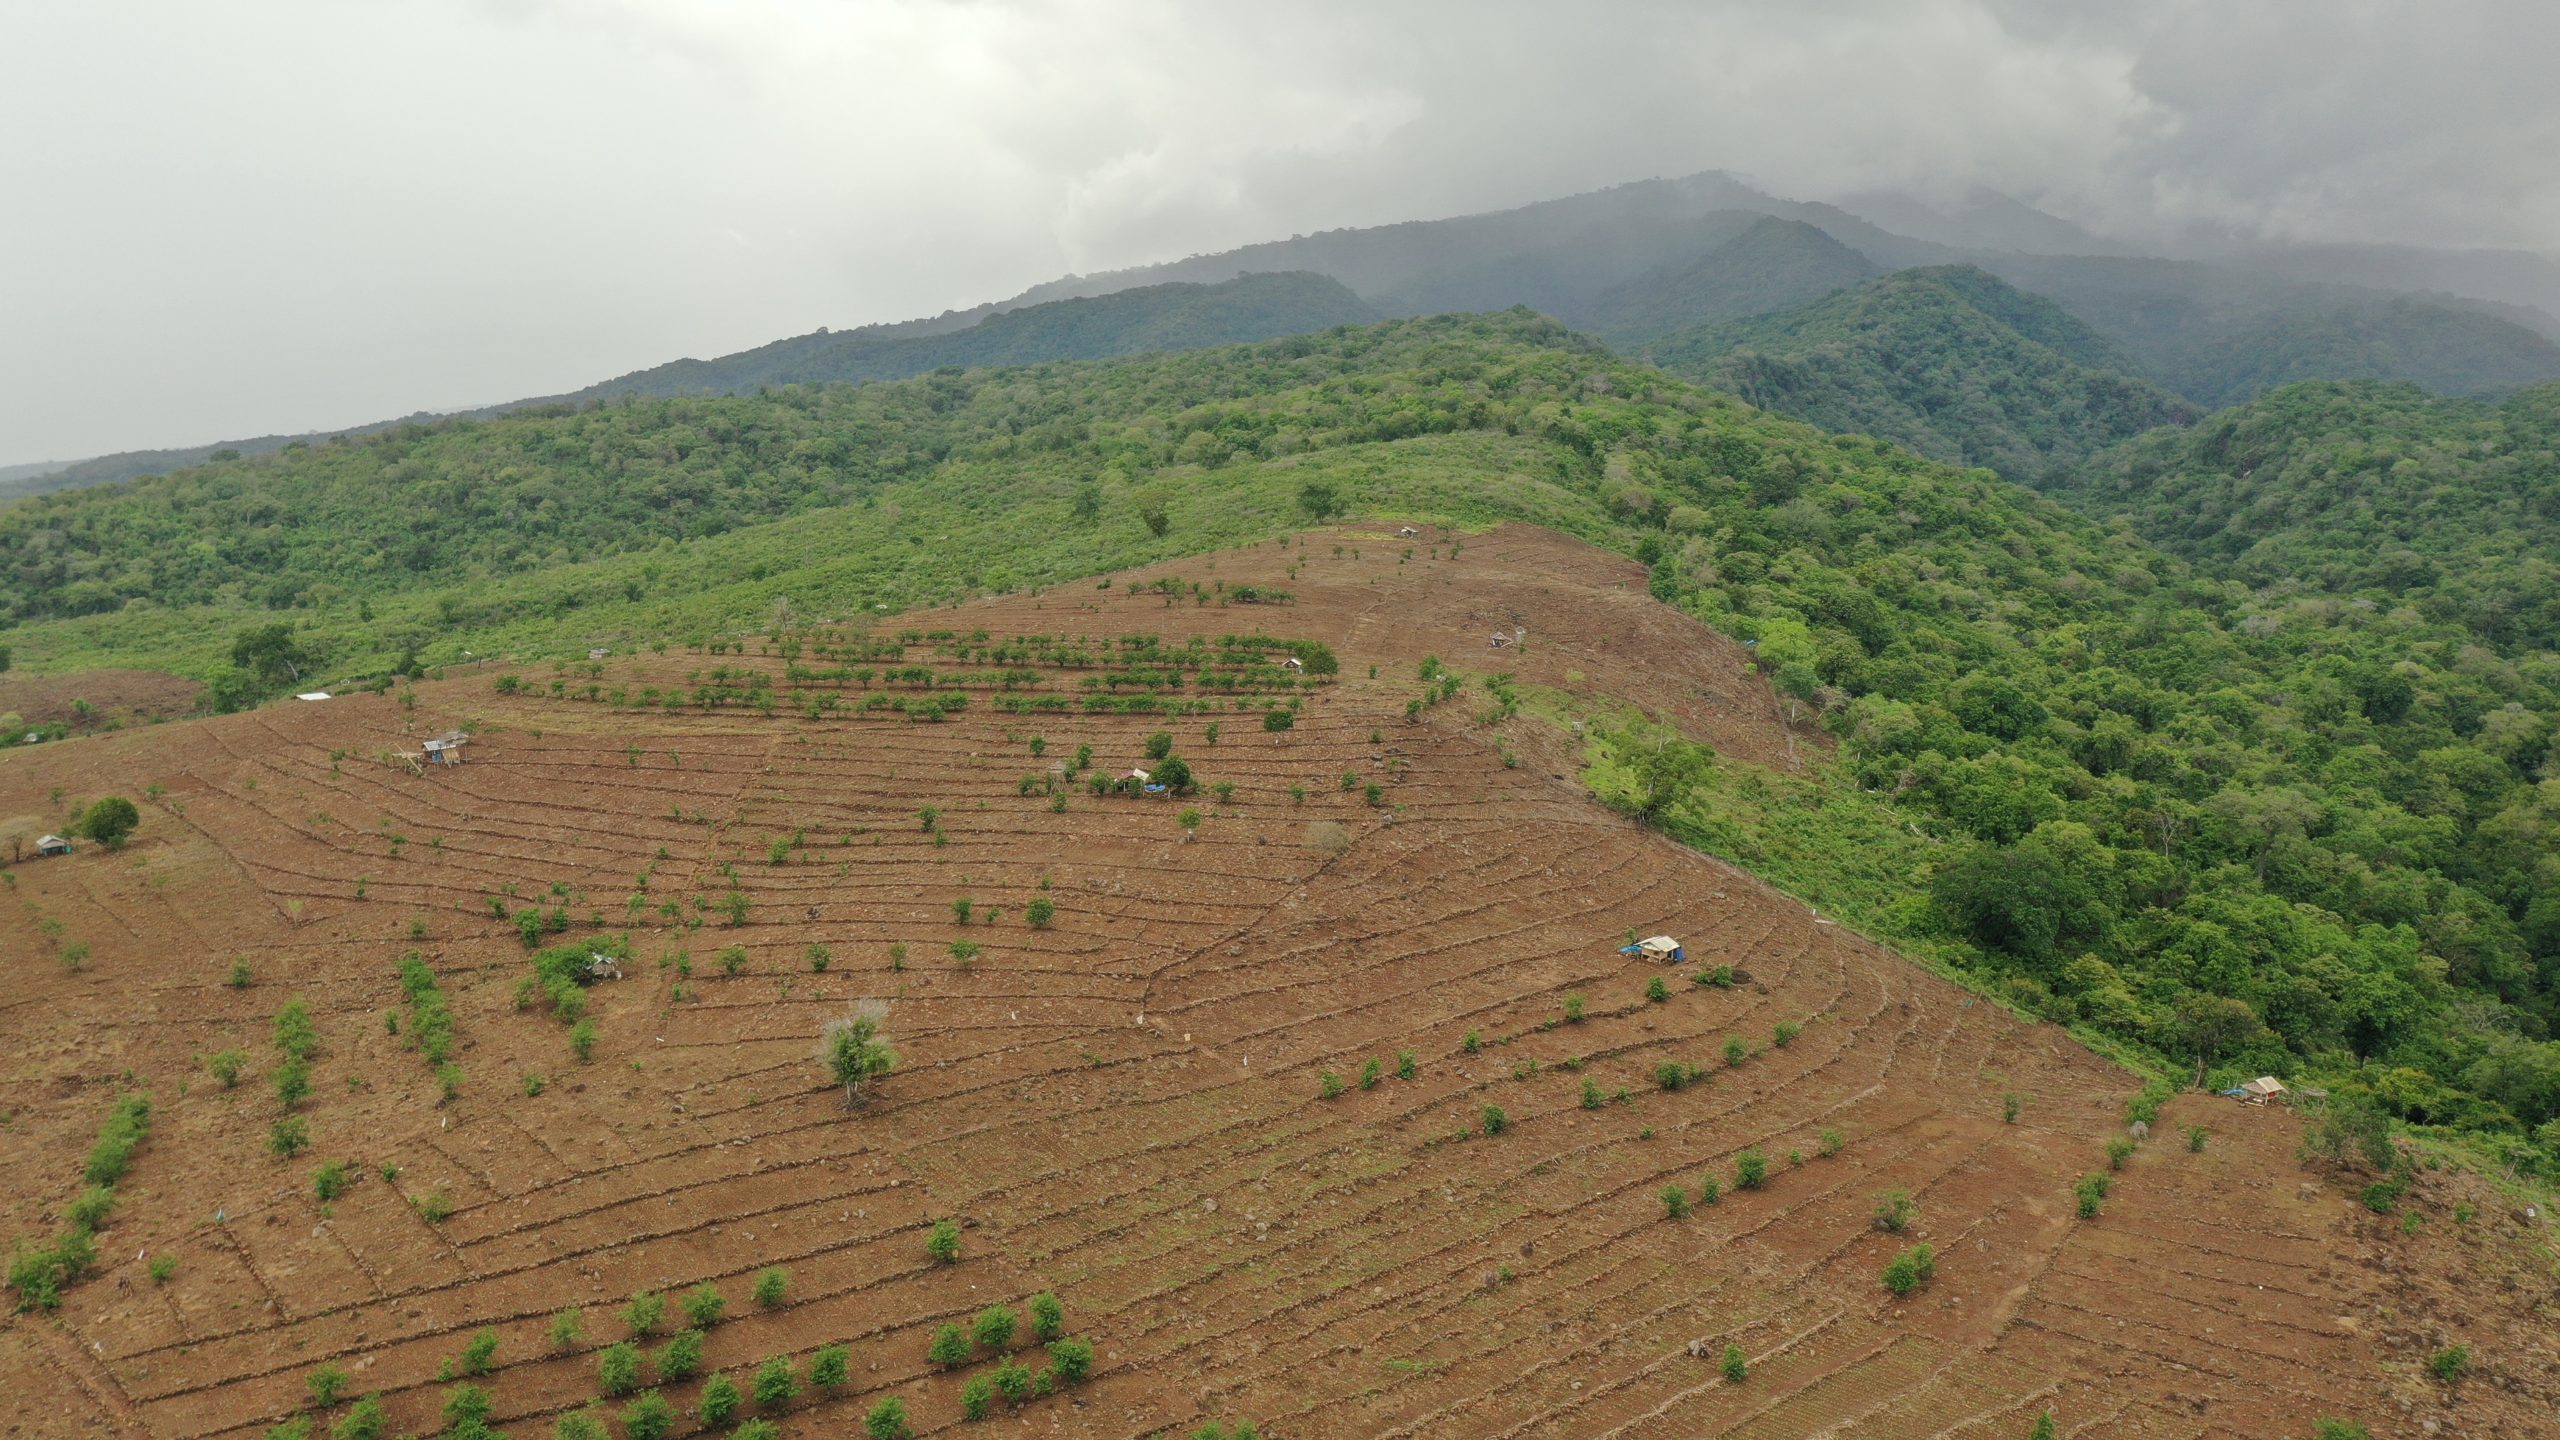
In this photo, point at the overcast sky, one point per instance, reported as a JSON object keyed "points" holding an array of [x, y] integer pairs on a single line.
{"points": [[221, 218]]}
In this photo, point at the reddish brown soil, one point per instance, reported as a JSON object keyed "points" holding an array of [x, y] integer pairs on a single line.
{"points": [[1122, 1107], [115, 698]]}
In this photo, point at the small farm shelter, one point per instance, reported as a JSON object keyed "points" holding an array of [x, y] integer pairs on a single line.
{"points": [[1292, 663], [602, 967], [1661, 948], [598, 653], [2262, 1090], [312, 695], [52, 845], [1138, 775], [1408, 532], [446, 749]]}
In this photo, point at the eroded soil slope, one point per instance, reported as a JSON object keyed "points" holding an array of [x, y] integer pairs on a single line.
{"points": [[1122, 1105]]}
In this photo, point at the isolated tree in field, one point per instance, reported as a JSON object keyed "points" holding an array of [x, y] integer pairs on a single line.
{"points": [[1750, 1170], [703, 1305], [977, 1397], [364, 1420], [1174, 774], [949, 1347], [1665, 773], [1910, 1270], [1320, 500], [1736, 1368], [1894, 1211], [644, 1312], [1159, 744], [587, 1424], [942, 1243], [854, 1052], [324, 1385], [618, 1368], [2043, 1428], [993, 1329], [681, 1357], [109, 821]]}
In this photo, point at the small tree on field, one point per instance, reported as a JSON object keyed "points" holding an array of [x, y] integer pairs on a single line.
{"points": [[618, 1368], [1734, 1365], [2044, 1428], [644, 1312], [1072, 1360], [977, 1397], [2195, 1139], [587, 1424], [649, 1417], [775, 1384], [109, 821], [993, 1329], [1495, 1122], [1656, 991], [703, 1304], [1675, 1202], [1040, 912], [2119, 1150], [829, 1366], [854, 1052], [1910, 1270], [887, 1420], [2091, 1192], [1048, 1317], [1159, 744], [720, 1400], [479, 1352], [681, 1357], [1750, 1170], [324, 1385], [949, 1347], [943, 1242], [770, 1286]]}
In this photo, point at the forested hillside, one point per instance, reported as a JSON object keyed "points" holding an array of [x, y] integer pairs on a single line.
{"points": [[2241, 831], [2381, 494], [1129, 322], [1949, 361], [1774, 265]]}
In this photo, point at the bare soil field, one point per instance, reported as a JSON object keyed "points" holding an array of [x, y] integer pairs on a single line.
{"points": [[1125, 1105], [97, 699]]}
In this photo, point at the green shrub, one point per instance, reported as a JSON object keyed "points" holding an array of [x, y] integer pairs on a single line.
{"points": [[2009, 1108], [1750, 1170], [993, 1329], [703, 1305], [1014, 1382], [364, 1420], [1735, 1367], [1711, 1191], [288, 1137], [644, 1312], [1894, 1211], [296, 1428], [2326, 1428], [680, 1358], [1910, 1270], [2043, 1428], [478, 1352], [225, 1065], [1328, 1085], [1495, 1122], [1040, 912], [949, 1346], [1670, 1075], [1072, 1359], [1048, 1317], [829, 1367], [618, 1368], [1655, 990], [2450, 1363], [466, 1410], [775, 1384], [649, 1417], [1829, 1143], [332, 1179], [2195, 1139], [770, 1286], [887, 1420], [1735, 1052], [1675, 1202], [2119, 1150], [1370, 1073], [162, 1267], [1406, 1068], [587, 1424], [1785, 1034], [2089, 1193], [942, 1242], [566, 1325], [109, 822], [719, 1401], [324, 1385]]}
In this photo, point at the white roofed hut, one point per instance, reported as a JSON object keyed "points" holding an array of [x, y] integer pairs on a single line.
{"points": [[447, 748], [2262, 1090]]}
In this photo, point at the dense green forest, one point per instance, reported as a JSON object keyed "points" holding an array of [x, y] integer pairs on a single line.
{"points": [[2253, 831], [1126, 322], [2381, 494], [1774, 265], [1950, 361]]}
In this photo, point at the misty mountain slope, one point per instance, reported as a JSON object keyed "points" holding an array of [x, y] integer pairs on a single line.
{"points": [[2380, 492], [1773, 265], [1568, 279], [1979, 220], [1156, 317], [1949, 361], [2219, 335]]}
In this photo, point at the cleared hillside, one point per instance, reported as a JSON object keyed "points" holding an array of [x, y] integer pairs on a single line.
{"points": [[1123, 1104]]}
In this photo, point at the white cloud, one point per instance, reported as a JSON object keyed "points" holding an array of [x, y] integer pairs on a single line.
{"points": [[284, 214]]}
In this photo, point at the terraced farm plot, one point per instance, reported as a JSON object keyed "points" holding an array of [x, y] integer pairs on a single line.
{"points": [[1117, 1025]]}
